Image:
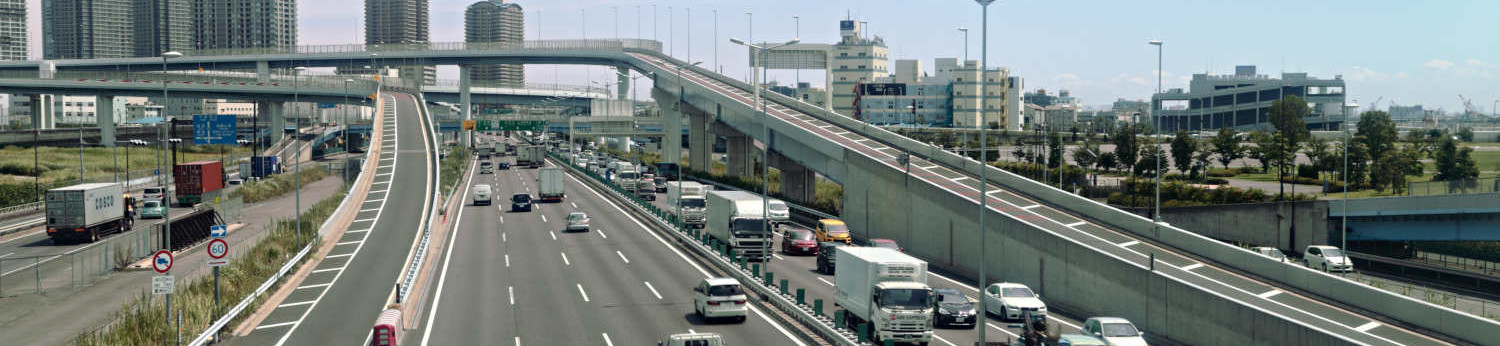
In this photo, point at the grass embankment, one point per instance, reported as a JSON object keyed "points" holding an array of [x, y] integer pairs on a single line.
{"points": [[144, 320], [453, 167], [277, 185], [20, 168]]}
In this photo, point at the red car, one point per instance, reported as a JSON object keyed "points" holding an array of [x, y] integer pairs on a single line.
{"points": [[799, 241], [886, 243]]}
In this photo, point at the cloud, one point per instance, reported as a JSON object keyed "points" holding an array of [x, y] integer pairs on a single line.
{"points": [[1066, 77], [1476, 63], [1400, 75], [1439, 64], [1361, 73]]}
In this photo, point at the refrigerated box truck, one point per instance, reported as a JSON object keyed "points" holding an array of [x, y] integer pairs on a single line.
{"points": [[887, 288], [86, 212], [735, 218]]}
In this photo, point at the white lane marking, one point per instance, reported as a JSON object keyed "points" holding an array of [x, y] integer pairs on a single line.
{"points": [[282, 324], [1076, 224], [553, 234], [502, 218], [314, 286], [959, 178], [502, 237], [437, 298], [386, 173], [575, 205], [371, 209], [511, 291], [601, 233], [653, 290], [337, 256], [685, 259], [934, 335], [385, 166], [1269, 294], [1007, 331], [376, 200], [507, 261], [1030, 206], [518, 341], [544, 218], [7, 255], [363, 220], [1367, 326], [379, 191], [927, 168], [1129, 243], [565, 258], [294, 304], [994, 191], [582, 293], [349, 242], [606, 339], [326, 270], [825, 281], [1192, 266], [622, 256], [777, 256]]}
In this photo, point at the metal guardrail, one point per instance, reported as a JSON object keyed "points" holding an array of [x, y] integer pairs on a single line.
{"points": [[360, 84], [778, 295], [528, 86], [1456, 187], [28, 208], [651, 45]]}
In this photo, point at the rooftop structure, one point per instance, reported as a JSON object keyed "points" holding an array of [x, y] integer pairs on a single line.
{"points": [[1243, 101]]}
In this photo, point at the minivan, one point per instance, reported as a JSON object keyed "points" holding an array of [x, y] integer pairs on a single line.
{"points": [[482, 194], [153, 193]]}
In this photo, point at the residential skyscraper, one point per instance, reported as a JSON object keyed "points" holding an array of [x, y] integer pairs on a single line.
{"points": [[400, 22], [12, 30], [244, 23], [496, 22], [162, 26], [87, 29]]}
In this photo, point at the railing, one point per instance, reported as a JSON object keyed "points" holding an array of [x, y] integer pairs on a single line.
{"points": [[78, 267], [414, 268], [28, 208], [608, 44], [360, 84], [1454, 187], [528, 86]]}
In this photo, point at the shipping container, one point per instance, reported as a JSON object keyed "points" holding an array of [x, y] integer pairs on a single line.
{"points": [[196, 179], [263, 166], [86, 211]]}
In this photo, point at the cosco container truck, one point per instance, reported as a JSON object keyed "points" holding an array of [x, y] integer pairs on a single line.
{"points": [[86, 212]]}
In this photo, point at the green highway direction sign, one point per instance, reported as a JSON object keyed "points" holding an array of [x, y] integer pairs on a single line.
{"points": [[483, 125], [521, 125]]}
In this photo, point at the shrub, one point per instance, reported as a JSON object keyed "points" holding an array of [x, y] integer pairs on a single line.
{"points": [[1216, 181]]}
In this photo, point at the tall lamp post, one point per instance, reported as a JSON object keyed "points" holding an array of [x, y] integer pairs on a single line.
{"points": [[984, 57], [346, 114], [1156, 136], [965, 143], [680, 91], [765, 128], [1344, 223], [166, 191], [297, 163]]}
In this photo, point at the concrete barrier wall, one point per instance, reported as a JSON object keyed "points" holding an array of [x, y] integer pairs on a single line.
{"points": [[942, 227], [1256, 224]]}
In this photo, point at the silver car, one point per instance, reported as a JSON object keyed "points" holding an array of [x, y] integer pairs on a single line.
{"points": [[578, 221]]}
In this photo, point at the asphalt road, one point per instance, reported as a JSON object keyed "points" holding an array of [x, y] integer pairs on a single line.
{"points": [[515, 278], [17, 251], [338, 303]]}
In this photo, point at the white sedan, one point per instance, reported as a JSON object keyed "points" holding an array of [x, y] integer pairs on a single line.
{"points": [[578, 221], [1114, 331], [1008, 300]]}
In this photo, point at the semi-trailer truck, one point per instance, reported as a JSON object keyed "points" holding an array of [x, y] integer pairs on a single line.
{"points": [[737, 218], [887, 288], [690, 196], [549, 182], [86, 212], [195, 180]]}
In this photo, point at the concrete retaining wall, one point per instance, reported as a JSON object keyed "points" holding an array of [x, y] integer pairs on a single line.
{"points": [[1259, 224]]}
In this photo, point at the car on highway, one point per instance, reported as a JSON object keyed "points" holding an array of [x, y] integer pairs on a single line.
{"points": [[825, 255], [1326, 258], [578, 221], [235, 182], [1079, 340], [720, 298], [953, 309], [799, 241], [153, 210], [1008, 300], [1269, 252], [1114, 331], [153, 193], [482, 194], [694, 339], [834, 230], [486, 167], [886, 243], [504, 165], [520, 202], [778, 212]]}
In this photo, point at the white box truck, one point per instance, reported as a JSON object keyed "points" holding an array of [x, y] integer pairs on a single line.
{"points": [[625, 175], [688, 194], [886, 288], [86, 212], [549, 182], [531, 156], [736, 218]]}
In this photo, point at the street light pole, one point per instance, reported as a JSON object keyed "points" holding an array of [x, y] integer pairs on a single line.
{"points": [[346, 115], [765, 179], [984, 54], [297, 163], [1156, 135], [1344, 223], [166, 191]]}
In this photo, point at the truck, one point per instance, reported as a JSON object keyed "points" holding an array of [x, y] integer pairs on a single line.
{"points": [[262, 166], [668, 170], [485, 150], [197, 179], [549, 182], [86, 212], [737, 219], [645, 189], [530, 156], [887, 288], [690, 196]]}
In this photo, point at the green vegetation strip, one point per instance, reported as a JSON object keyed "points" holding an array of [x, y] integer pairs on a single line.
{"points": [[22, 169], [453, 167], [277, 185], [143, 321]]}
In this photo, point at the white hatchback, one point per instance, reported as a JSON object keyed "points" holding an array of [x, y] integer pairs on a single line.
{"points": [[1326, 258]]}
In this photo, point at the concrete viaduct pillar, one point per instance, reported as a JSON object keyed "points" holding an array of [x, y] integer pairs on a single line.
{"points": [[41, 112], [671, 140], [622, 88], [262, 72], [739, 152], [700, 142], [464, 86], [104, 110], [798, 183], [276, 111]]}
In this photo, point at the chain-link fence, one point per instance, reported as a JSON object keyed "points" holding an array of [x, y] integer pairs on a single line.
{"points": [[78, 266], [1454, 187]]}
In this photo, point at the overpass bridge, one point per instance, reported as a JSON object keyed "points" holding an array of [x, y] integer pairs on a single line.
{"points": [[1466, 217], [1084, 256]]}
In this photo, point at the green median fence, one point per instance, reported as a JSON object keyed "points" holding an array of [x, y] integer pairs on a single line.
{"points": [[817, 307]]}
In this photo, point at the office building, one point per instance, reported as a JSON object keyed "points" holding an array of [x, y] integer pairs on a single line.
{"points": [[1410, 113], [13, 30], [226, 24], [1243, 101], [88, 29], [400, 22], [804, 91], [496, 22], [947, 98], [162, 26], [855, 59]]}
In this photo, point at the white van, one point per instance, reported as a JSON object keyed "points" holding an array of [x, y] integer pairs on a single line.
{"points": [[482, 194], [694, 339]]}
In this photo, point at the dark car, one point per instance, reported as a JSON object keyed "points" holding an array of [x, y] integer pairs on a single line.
{"points": [[886, 243], [505, 165], [825, 256], [953, 309], [797, 241], [520, 202]]}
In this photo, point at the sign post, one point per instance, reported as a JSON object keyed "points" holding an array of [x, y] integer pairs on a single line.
{"points": [[217, 249], [161, 263]]}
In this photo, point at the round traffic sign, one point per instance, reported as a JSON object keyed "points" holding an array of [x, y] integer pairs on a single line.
{"points": [[162, 262], [217, 248]]}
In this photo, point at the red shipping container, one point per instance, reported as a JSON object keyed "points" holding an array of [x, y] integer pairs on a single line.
{"points": [[197, 178]]}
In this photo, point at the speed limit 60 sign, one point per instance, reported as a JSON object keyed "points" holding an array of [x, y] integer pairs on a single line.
{"points": [[217, 249]]}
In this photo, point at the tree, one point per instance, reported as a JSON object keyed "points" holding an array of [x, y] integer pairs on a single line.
{"points": [[1377, 132], [1020, 152], [1107, 161], [1146, 165], [1074, 130], [1455, 163], [1263, 151], [1286, 116], [1466, 134], [1358, 161], [1392, 169], [1227, 146], [1054, 150], [1202, 158], [1183, 147], [1127, 148], [1087, 154], [1317, 152]]}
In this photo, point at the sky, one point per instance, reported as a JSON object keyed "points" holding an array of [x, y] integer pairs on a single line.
{"points": [[1406, 52]]}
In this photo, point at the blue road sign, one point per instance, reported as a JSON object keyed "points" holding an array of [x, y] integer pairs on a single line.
{"points": [[157, 172], [214, 129], [218, 231], [326, 105]]}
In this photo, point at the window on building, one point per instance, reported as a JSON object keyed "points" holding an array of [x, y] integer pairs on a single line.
{"points": [[1293, 90], [1325, 90], [1270, 94], [861, 53], [843, 54], [1223, 100], [1245, 97], [843, 66]]}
